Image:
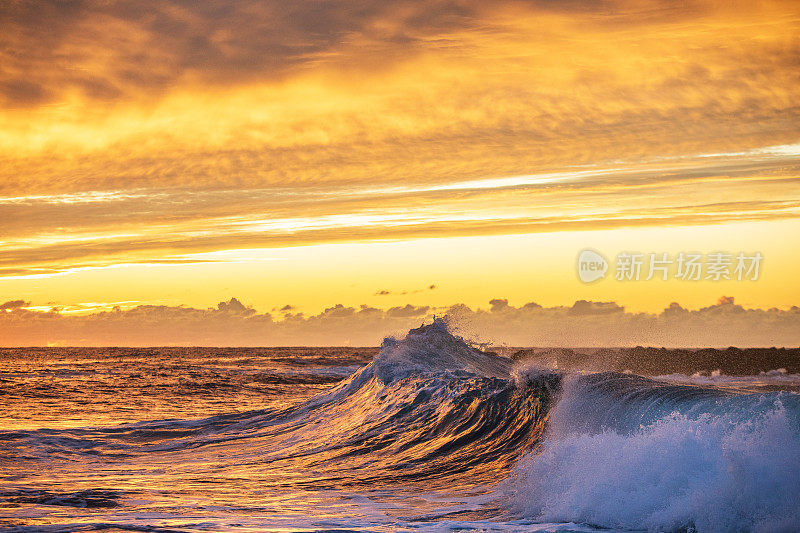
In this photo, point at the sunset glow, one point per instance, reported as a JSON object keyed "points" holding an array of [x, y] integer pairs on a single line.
{"points": [[369, 266], [135, 167]]}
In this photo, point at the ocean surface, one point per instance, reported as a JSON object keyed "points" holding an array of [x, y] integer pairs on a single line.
{"points": [[425, 434]]}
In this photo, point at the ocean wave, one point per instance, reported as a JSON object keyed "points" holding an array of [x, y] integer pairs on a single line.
{"points": [[91, 498], [624, 451], [432, 349], [427, 407], [429, 412], [777, 379]]}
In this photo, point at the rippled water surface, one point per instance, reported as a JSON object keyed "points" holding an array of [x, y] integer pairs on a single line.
{"points": [[427, 434]]}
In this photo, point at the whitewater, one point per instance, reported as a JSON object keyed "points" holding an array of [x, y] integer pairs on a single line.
{"points": [[425, 434]]}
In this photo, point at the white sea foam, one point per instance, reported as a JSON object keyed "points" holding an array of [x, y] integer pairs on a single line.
{"points": [[774, 378], [689, 469], [433, 349]]}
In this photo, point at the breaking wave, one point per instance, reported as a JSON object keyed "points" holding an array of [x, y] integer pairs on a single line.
{"points": [[624, 451], [605, 450]]}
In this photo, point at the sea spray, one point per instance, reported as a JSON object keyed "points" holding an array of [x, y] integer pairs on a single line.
{"points": [[429, 434], [698, 459]]}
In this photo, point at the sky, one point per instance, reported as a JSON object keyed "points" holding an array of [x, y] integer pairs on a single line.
{"points": [[169, 157]]}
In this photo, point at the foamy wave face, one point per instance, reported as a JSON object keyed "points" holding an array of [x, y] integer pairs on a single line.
{"points": [[708, 471], [433, 349]]}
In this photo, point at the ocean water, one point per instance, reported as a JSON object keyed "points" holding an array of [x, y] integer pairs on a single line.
{"points": [[425, 434]]}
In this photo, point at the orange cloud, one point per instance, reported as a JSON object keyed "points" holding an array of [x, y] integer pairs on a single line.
{"points": [[232, 323], [136, 133]]}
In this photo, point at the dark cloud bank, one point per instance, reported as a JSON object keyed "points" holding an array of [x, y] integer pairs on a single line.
{"points": [[148, 47], [107, 50], [231, 323]]}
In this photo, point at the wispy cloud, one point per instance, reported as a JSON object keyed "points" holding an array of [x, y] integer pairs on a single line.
{"points": [[195, 226], [140, 132]]}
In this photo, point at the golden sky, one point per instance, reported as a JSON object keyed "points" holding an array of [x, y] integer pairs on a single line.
{"points": [[360, 152]]}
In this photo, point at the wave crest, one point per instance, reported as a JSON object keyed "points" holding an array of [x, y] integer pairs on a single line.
{"points": [[626, 452], [433, 349]]}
